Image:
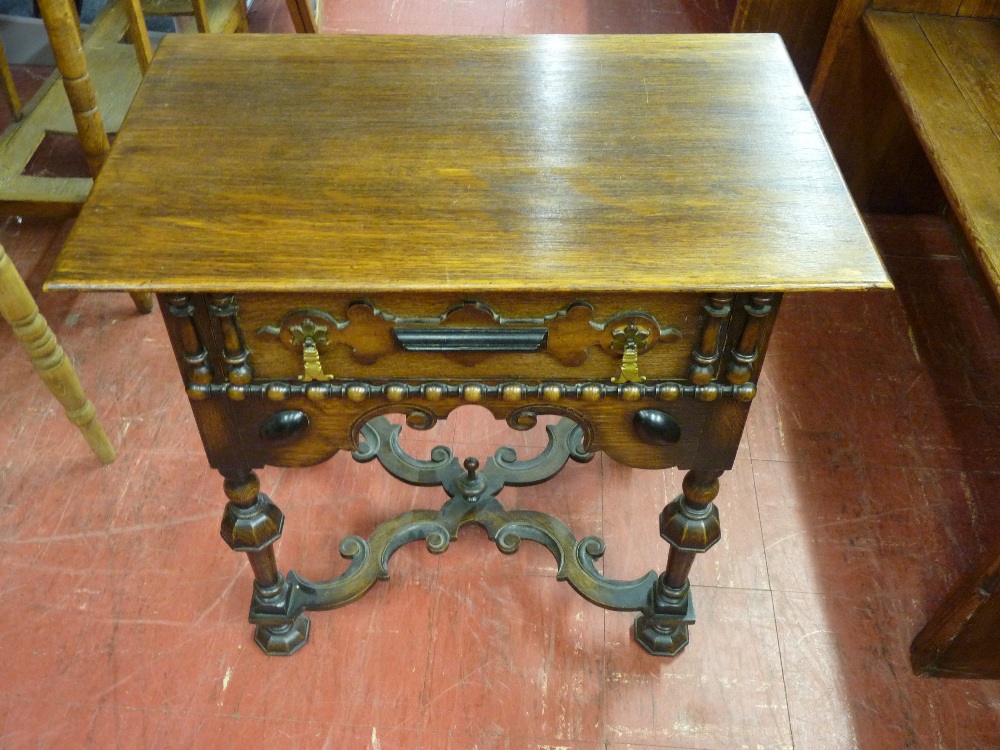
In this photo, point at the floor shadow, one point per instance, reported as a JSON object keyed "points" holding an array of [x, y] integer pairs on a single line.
{"points": [[893, 503]]}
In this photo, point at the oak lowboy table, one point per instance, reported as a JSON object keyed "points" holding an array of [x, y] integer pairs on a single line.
{"points": [[599, 228]]}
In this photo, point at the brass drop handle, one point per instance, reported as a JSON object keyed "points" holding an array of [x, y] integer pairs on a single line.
{"points": [[630, 340], [310, 336]]}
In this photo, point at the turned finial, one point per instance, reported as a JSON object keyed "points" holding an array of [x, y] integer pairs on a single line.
{"points": [[471, 465]]}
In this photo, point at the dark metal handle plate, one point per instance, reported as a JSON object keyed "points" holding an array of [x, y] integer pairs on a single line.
{"points": [[425, 339]]}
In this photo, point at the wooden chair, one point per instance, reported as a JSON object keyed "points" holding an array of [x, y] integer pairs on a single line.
{"points": [[110, 77], [98, 71], [19, 309], [217, 16], [100, 77]]}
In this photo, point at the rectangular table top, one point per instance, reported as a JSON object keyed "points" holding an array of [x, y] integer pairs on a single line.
{"points": [[403, 163]]}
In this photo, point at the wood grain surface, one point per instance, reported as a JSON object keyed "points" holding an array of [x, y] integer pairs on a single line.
{"points": [[590, 163]]}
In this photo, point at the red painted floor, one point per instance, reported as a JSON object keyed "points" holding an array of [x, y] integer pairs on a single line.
{"points": [[867, 484]]}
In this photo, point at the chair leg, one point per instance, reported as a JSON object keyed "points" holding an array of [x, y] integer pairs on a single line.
{"points": [[63, 28], [302, 16], [9, 90], [244, 24], [201, 16], [143, 301], [19, 309], [138, 34]]}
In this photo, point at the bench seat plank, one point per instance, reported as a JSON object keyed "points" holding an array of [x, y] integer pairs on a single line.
{"points": [[944, 71]]}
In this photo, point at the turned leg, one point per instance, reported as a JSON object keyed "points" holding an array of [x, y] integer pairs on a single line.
{"points": [[63, 27], [252, 524], [690, 524], [19, 309]]}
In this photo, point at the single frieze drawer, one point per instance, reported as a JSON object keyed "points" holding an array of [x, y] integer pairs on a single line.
{"points": [[503, 336]]}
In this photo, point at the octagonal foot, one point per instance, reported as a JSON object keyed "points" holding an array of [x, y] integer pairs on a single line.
{"points": [[660, 640], [283, 640]]}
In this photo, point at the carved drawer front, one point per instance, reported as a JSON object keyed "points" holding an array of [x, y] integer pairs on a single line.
{"points": [[645, 376], [610, 338]]}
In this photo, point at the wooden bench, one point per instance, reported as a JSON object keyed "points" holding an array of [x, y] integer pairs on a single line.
{"points": [[946, 73], [908, 93]]}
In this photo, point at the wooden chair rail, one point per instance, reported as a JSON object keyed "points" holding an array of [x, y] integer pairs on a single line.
{"points": [[211, 16]]}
